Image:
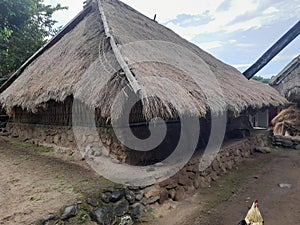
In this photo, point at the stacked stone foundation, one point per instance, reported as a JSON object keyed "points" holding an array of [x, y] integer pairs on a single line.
{"points": [[187, 180]]}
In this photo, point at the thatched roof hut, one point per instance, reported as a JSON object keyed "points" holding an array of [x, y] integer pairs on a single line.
{"points": [[108, 47], [287, 82]]}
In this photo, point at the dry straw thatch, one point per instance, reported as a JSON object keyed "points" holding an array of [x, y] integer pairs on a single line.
{"points": [[287, 82], [81, 63]]}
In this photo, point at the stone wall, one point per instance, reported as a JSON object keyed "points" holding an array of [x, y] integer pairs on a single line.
{"points": [[127, 204], [286, 141], [43, 134], [130, 202], [189, 178], [63, 136]]}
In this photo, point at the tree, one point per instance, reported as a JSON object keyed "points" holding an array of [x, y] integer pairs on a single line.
{"points": [[261, 79], [24, 27]]}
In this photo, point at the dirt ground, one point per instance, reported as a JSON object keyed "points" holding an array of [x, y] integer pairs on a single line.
{"points": [[228, 199], [36, 182]]}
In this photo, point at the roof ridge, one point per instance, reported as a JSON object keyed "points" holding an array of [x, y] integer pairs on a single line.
{"points": [[130, 77], [285, 71]]}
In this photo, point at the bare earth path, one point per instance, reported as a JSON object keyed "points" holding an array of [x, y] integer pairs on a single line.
{"points": [[34, 183], [226, 202]]}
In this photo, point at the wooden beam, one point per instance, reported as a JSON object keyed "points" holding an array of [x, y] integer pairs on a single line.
{"points": [[130, 77], [273, 51]]}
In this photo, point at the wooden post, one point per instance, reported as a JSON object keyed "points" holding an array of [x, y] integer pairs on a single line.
{"points": [[273, 51]]}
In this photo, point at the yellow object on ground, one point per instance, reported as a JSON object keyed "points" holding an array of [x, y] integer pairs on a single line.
{"points": [[253, 216]]}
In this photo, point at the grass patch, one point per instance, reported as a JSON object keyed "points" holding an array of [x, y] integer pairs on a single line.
{"points": [[88, 188], [226, 188], [28, 146]]}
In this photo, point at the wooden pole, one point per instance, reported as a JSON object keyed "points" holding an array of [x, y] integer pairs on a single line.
{"points": [[273, 51], [130, 77]]}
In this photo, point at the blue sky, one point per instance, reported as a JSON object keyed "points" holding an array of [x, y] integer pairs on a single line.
{"points": [[237, 32]]}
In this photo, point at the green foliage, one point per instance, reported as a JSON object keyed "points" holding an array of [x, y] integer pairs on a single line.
{"points": [[24, 27], [261, 79]]}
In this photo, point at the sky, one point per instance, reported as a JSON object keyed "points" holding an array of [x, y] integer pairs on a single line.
{"points": [[237, 32]]}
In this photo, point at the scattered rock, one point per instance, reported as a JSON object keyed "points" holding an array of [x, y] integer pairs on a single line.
{"points": [[164, 195], [287, 143], [133, 188], [93, 202], [190, 189], [137, 210], [5, 134], [196, 182], [172, 193], [105, 197], [130, 196], [297, 147], [120, 208], [101, 216], [165, 183], [56, 139], [139, 195], [283, 185], [205, 173], [69, 211], [172, 185], [180, 194], [116, 196], [48, 218], [215, 166], [148, 201], [263, 150], [184, 181], [126, 220], [152, 191], [191, 169], [192, 175], [223, 167], [214, 176]]}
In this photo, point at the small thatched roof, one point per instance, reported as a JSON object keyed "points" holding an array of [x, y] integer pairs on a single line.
{"points": [[110, 46], [287, 82]]}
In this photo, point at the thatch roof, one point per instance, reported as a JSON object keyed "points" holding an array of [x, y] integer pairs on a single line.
{"points": [[287, 82], [82, 62]]}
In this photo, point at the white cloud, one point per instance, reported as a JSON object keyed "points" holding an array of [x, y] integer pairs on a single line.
{"points": [[64, 16], [169, 9], [210, 45], [284, 57], [270, 10], [254, 23], [239, 16], [222, 20], [242, 65], [232, 41], [244, 45]]}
